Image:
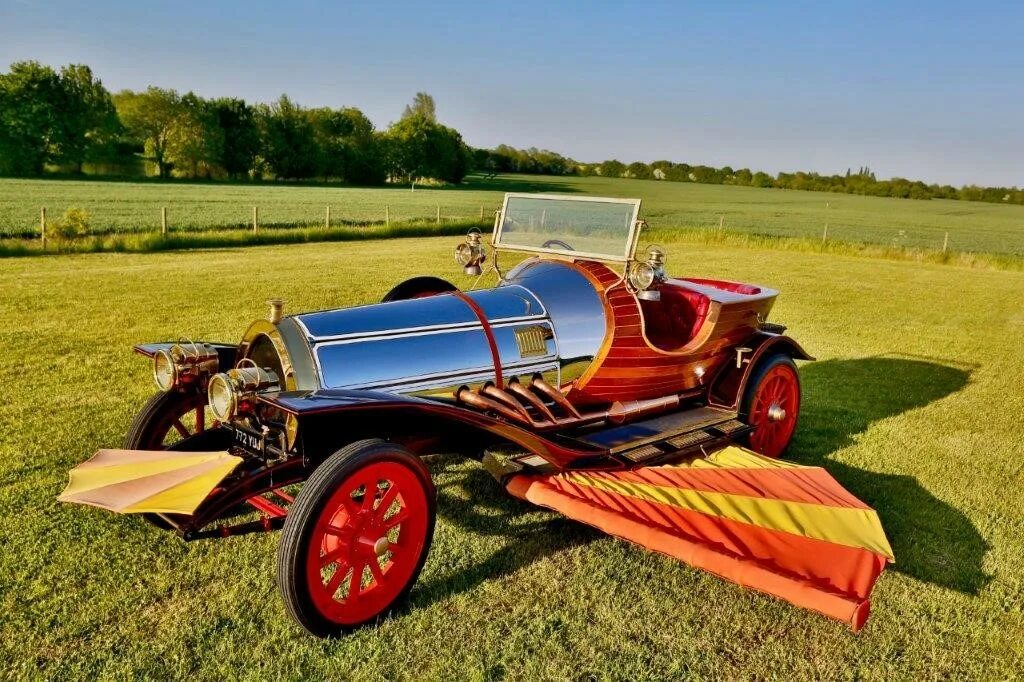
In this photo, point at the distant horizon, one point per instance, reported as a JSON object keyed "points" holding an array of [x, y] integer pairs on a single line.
{"points": [[923, 92]]}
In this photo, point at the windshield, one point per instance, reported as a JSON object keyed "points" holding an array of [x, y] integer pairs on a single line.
{"points": [[588, 227]]}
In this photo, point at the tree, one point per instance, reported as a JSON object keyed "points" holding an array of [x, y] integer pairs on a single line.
{"points": [[638, 169], [194, 141], [289, 142], [418, 147], [508, 159], [31, 134], [241, 143], [422, 105], [612, 169], [348, 148], [88, 119], [148, 117]]}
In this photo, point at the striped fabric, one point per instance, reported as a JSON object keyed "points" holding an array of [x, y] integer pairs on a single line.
{"points": [[156, 481], [782, 528]]}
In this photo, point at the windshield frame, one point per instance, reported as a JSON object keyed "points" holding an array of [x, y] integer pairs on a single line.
{"points": [[629, 247]]}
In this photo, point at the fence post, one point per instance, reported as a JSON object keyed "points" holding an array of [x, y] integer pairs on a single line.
{"points": [[945, 243], [327, 219], [255, 218], [163, 220], [824, 235], [439, 214], [721, 222], [387, 214], [42, 225]]}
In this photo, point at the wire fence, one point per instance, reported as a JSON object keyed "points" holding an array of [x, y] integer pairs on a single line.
{"points": [[204, 217], [894, 232], [110, 215]]}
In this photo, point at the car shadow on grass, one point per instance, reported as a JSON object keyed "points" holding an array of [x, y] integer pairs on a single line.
{"points": [[933, 541], [470, 499]]}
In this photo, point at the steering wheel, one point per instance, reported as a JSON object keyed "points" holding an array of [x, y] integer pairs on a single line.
{"points": [[556, 243]]}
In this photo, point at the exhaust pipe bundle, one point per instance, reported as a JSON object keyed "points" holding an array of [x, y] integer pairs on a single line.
{"points": [[526, 405]]}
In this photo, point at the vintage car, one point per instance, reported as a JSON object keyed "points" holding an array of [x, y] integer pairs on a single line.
{"points": [[584, 358]]}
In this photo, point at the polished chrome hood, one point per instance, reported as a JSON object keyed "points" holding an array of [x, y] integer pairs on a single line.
{"points": [[500, 305], [544, 316]]}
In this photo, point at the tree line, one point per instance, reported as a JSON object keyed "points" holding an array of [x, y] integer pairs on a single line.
{"points": [[66, 119], [507, 159]]}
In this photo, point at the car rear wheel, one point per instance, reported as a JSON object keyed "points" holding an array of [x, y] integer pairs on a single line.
{"points": [[165, 419], [356, 538], [771, 404]]}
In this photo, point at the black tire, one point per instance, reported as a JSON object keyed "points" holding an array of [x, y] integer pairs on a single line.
{"points": [[300, 531], [419, 287], [152, 424], [771, 365]]}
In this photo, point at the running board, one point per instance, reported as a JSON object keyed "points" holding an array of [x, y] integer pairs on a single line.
{"points": [[668, 436], [784, 529]]}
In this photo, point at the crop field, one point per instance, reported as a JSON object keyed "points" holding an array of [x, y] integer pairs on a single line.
{"points": [[135, 206], [914, 405]]}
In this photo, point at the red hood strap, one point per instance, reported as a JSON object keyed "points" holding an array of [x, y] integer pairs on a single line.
{"points": [[488, 332]]}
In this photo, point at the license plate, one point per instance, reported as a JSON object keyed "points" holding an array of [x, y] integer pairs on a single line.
{"points": [[248, 440]]}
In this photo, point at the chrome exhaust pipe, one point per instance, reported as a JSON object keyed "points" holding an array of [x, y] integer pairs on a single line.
{"points": [[531, 398], [553, 394]]}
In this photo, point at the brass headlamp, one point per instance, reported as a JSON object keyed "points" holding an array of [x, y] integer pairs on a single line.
{"points": [[183, 363], [230, 390], [471, 253], [645, 277]]}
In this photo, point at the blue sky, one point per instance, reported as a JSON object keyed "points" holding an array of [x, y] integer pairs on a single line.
{"points": [[922, 90]]}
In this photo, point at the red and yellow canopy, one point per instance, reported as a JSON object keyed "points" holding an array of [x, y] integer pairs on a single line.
{"points": [[778, 527]]}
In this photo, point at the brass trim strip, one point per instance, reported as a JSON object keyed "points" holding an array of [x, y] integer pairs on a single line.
{"points": [[306, 376]]}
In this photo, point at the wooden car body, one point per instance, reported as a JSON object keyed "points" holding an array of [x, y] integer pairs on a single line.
{"points": [[561, 363]]}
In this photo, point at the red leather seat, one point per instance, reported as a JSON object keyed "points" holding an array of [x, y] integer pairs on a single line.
{"points": [[674, 320]]}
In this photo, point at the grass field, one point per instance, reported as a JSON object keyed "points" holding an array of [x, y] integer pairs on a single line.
{"points": [[135, 206], [914, 405]]}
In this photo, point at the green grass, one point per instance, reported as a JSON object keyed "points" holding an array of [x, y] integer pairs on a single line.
{"points": [[135, 206], [914, 405]]}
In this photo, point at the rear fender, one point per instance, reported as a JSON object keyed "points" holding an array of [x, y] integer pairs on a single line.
{"points": [[729, 384]]}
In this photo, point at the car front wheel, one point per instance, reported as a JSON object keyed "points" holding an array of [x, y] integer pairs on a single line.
{"points": [[356, 537], [163, 421]]}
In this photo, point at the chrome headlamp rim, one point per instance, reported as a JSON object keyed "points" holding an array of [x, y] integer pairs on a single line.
{"points": [[165, 370], [222, 396], [226, 391], [183, 363], [642, 276], [464, 254]]}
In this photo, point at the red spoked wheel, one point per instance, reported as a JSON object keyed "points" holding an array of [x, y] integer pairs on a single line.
{"points": [[772, 405], [356, 538]]}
